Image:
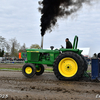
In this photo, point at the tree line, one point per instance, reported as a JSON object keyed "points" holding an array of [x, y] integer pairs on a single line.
{"points": [[12, 47]]}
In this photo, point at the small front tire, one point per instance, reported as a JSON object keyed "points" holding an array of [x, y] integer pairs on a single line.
{"points": [[29, 70], [40, 70]]}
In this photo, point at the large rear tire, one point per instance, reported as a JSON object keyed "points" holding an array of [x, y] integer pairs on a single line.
{"points": [[68, 66], [85, 65], [29, 70]]}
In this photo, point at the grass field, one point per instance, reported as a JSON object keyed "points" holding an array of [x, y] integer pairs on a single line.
{"points": [[20, 69]]}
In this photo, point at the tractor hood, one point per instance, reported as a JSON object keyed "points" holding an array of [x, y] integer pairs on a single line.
{"points": [[42, 50]]}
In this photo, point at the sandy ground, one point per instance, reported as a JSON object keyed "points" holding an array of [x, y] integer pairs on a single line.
{"points": [[14, 86]]}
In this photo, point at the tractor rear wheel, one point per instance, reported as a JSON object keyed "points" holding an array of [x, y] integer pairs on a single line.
{"points": [[85, 63], [68, 66], [40, 70], [29, 70]]}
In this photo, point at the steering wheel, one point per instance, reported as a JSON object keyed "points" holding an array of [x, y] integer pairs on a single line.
{"points": [[62, 46]]}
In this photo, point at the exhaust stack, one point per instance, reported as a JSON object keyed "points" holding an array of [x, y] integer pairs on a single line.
{"points": [[41, 42]]}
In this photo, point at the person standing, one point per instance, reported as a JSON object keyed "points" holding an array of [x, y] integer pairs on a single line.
{"points": [[94, 56]]}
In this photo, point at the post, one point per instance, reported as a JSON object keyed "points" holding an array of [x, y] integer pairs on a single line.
{"points": [[41, 42]]}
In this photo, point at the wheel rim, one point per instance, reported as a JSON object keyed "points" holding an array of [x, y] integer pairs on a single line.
{"points": [[68, 67], [28, 70], [38, 70]]}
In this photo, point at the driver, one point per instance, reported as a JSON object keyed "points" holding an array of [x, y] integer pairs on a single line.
{"points": [[68, 43]]}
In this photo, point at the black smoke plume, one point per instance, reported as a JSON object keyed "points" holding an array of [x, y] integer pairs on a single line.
{"points": [[53, 9]]}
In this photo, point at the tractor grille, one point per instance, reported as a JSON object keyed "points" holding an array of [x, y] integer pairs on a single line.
{"points": [[34, 56]]}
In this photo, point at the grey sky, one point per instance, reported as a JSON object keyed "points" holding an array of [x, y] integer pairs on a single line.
{"points": [[21, 19]]}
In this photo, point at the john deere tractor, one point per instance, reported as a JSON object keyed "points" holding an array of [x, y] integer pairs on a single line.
{"points": [[68, 64]]}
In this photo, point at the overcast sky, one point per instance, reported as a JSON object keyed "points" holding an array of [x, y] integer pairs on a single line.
{"points": [[21, 19]]}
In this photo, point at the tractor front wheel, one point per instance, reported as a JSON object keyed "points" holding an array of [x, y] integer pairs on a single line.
{"points": [[29, 70], [39, 70]]}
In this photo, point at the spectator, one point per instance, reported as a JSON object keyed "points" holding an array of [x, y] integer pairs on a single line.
{"points": [[95, 56], [98, 55]]}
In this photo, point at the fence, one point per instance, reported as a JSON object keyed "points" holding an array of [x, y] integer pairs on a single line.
{"points": [[12, 62]]}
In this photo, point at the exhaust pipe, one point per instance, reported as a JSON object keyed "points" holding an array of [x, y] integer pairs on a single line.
{"points": [[41, 42]]}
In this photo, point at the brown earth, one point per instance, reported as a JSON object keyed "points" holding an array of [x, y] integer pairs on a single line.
{"points": [[11, 65], [14, 86]]}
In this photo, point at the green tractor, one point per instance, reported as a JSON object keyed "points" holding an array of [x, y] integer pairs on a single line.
{"points": [[68, 64]]}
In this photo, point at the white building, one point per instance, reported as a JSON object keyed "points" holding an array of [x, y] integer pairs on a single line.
{"points": [[86, 51]]}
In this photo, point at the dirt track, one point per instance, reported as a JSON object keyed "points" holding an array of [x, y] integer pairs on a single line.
{"points": [[14, 86]]}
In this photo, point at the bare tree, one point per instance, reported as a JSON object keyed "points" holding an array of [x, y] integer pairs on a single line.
{"points": [[23, 48], [14, 47], [4, 44]]}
